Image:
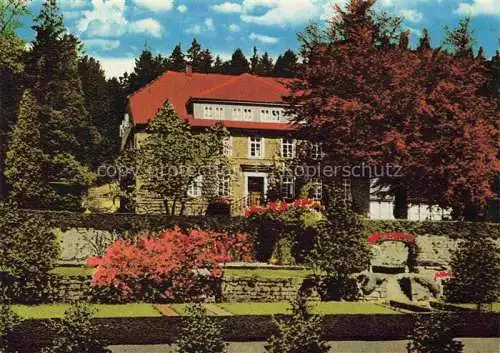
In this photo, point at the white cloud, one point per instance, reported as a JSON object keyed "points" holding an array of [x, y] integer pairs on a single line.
{"points": [[284, 12], [234, 28], [227, 7], [155, 5], [195, 29], [182, 8], [71, 15], [209, 23], [479, 7], [103, 44], [73, 4], [411, 15], [107, 18], [147, 26], [115, 67], [263, 38]]}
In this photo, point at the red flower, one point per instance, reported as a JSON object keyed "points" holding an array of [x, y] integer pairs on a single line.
{"points": [[442, 274], [375, 238]]}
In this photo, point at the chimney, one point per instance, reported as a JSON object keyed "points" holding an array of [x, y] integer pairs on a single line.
{"points": [[189, 70]]}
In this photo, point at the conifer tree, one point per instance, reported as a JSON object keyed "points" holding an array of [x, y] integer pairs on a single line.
{"points": [[146, 69], [266, 65], [194, 56], [207, 60], [286, 64], [68, 136], [217, 68], [425, 41], [239, 63], [176, 61], [25, 160], [254, 61]]}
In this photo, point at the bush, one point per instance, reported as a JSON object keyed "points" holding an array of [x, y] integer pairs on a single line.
{"points": [[75, 333], [8, 321], [340, 248], [28, 251], [300, 333], [173, 266], [476, 272], [433, 333], [280, 221], [200, 332]]}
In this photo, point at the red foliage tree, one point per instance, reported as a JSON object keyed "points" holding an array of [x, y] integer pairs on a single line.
{"points": [[171, 266], [370, 99]]}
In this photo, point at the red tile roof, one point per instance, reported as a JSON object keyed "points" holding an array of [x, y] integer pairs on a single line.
{"points": [[179, 88]]}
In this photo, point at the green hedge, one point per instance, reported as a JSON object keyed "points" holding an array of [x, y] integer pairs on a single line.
{"points": [[133, 223], [454, 230], [33, 334]]}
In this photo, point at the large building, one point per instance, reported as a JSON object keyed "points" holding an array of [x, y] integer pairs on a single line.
{"points": [[253, 111]]}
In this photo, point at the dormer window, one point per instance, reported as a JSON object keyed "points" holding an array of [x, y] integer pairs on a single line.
{"points": [[208, 112], [247, 114], [213, 112], [276, 115], [237, 113], [265, 114]]}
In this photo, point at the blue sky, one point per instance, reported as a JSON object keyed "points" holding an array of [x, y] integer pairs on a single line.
{"points": [[115, 31]]}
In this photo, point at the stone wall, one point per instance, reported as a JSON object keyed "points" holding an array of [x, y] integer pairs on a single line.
{"points": [[70, 289]]}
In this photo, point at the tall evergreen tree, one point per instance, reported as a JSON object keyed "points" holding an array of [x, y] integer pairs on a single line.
{"points": [[266, 65], [217, 68], [207, 61], [11, 73], [461, 39], [287, 64], [176, 61], [102, 99], [195, 56], [25, 160], [146, 69], [239, 63], [68, 137], [424, 42], [254, 61]]}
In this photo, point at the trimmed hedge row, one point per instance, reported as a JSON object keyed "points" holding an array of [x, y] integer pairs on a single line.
{"points": [[33, 334], [134, 223]]}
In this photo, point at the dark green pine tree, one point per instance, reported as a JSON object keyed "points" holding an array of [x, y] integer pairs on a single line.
{"points": [[218, 65], [287, 64], [266, 65], [207, 61], [102, 99], [254, 61], [194, 56], [239, 63], [68, 136], [146, 69], [176, 61], [25, 160]]}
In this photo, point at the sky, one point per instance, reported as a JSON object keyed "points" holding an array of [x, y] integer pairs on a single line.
{"points": [[116, 31]]}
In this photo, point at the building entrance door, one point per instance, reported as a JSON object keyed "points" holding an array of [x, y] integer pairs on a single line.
{"points": [[256, 190]]}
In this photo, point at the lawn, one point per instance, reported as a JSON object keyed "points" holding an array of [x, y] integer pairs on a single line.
{"points": [[70, 271], [53, 311], [323, 308]]}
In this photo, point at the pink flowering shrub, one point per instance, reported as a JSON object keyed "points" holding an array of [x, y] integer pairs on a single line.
{"points": [[442, 274], [281, 206], [375, 238], [169, 267]]}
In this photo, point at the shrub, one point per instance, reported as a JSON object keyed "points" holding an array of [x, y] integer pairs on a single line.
{"points": [[280, 221], [28, 251], [8, 321], [200, 332], [476, 270], [340, 248], [300, 333], [75, 333], [172, 266], [433, 333]]}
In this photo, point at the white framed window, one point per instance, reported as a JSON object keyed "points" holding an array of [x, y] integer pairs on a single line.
{"points": [[195, 188], [237, 113], [208, 112], [265, 114], [224, 187], [317, 190], [287, 185], [227, 147], [317, 150], [287, 148], [276, 115], [255, 147], [247, 114], [219, 113]]}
